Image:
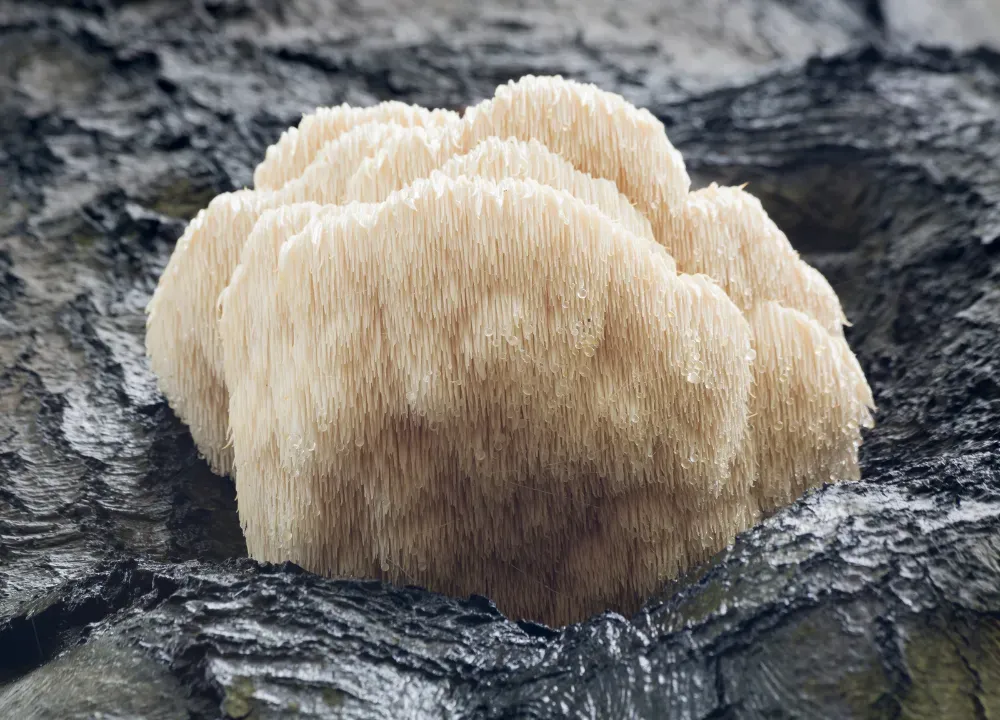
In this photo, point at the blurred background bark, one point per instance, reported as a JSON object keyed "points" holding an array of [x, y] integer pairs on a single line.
{"points": [[122, 590]]}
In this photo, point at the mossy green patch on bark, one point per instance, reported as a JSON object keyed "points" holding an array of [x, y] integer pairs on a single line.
{"points": [[954, 666], [181, 198], [239, 701]]}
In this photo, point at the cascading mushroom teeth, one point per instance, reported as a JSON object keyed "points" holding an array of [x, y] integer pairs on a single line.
{"points": [[508, 353]]}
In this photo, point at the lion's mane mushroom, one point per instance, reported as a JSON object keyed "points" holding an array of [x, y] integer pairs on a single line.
{"points": [[465, 416], [508, 353]]}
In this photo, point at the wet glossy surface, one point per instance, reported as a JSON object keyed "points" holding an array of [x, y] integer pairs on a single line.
{"points": [[874, 599]]}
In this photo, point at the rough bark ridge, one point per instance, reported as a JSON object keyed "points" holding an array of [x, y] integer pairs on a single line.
{"points": [[121, 587]]}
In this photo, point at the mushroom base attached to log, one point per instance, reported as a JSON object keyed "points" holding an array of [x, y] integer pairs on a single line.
{"points": [[532, 365]]}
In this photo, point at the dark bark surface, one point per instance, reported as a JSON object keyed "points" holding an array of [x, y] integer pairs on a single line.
{"points": [[122, 588]]}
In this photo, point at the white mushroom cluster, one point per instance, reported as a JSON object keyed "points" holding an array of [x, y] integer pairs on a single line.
{"points": [[507, 352]]}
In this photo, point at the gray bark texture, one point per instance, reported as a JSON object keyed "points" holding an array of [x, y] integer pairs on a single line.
{"points": [[871, 131]]}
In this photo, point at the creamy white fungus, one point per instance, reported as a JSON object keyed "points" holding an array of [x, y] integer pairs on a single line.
{"points": [[505, 353], [297, 147]]}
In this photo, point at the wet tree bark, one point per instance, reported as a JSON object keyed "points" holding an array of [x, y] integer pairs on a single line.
{"points": [[122, 588]]}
